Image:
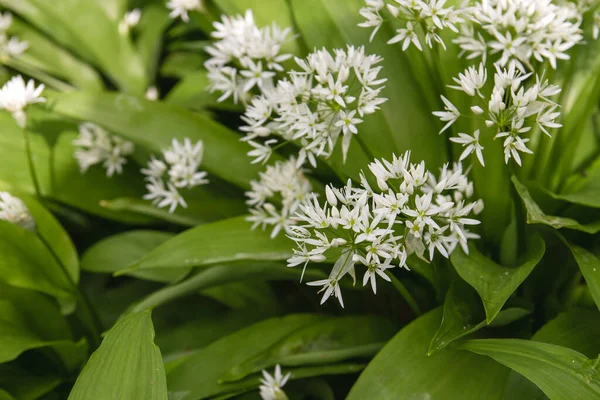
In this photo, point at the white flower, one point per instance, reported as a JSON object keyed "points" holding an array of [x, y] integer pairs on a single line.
{"points": [[275, 198], [130, 20], [363, 228], [13, 210], [245, 59], [12, 47], [471, 144], [95, 145], [318, 104], [431, 15], [179, 170], [180, 8], [513, 107], [15, 96], [518, 30], [5, 21], [152, 93], [450, 115], [271, 385]]}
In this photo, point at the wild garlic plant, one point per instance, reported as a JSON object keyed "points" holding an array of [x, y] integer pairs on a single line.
{"points": [[511, 108], [314, 106], [245, 57], [95, 145], [14, 210], [178, 169], [10, 46], [277, 195], [413, 211]]}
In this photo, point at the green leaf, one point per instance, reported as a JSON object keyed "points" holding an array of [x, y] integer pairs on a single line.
{"points": [[403, 370], [27, 263], [577, 329], [117, 252], [187, 94], [54, 235], [327, 342], [4, 395], [229, 351], [24, 384], [150, 124], [127, 365], [58, 172], [589, 265], [155, 19], [464, 314], [220, 242], [220, 275], [535, 215], [495, 283], [47, 56], [560, 372]]}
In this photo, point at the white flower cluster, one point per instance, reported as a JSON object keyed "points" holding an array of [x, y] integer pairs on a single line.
{"points": [[244, 56], [429, 18], [13, 210], [270, 388], [95, 146], [314, 106], [9, 46], [181, 166], [275, 198], [16, 96], [511, 108], [180, 8], [519, 30], [413, 211]]}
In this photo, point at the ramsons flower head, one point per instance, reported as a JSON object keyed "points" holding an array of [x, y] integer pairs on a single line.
{"points": [[177, 170], [95, 145], [412, 211], [14, 210], [16, 96]]}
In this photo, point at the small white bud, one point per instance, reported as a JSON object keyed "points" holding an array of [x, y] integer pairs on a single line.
{"points": [[477, 110], [489, 123], [331, 198]]}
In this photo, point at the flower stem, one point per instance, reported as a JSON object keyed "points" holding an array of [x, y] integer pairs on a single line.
{"points": [[404, 293], [36, 183]]}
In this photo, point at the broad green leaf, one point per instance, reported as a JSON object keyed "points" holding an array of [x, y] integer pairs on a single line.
{"points": [[4, 395], [495, 283], [220, 275], [464, 314], [589, 265], [560, 372], [150, 124], [26, 262], [94, 30], [327, 342], [199, 375], [244, 294], [117, 252], [220, 242], [191, 92], [403, 370], [24, 384], [404, 121], [127, 365], [54, 236], [16, 336], [47, 56], [58, 172], [155, 19], [535, 215], [577, 329]]}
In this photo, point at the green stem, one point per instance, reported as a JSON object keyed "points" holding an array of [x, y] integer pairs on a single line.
{"points": [[89, 317], [36, 183], [404, 293]]}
